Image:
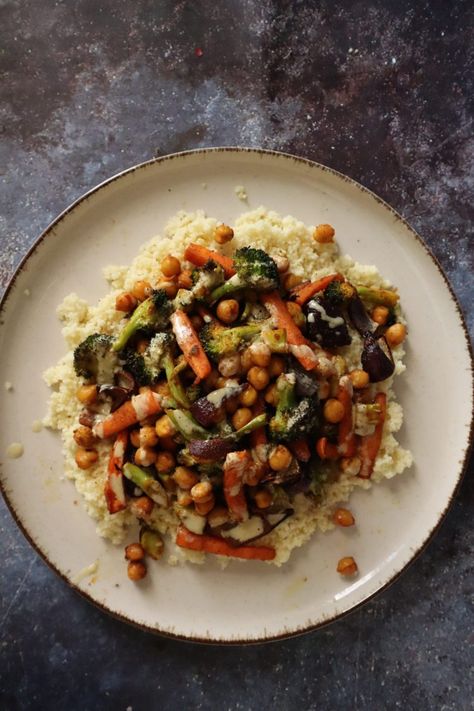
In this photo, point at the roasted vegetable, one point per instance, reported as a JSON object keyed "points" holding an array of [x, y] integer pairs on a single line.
{"points": [[293, 419], [325, 320], [208, 410], [147, 483], [216, 447], [219, 341], [149, 316], [206, 279], [95, 360], [377, 358], [255, 270]]}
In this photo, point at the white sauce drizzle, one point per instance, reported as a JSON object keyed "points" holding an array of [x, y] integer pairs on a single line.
{"points": [[332, 321]]}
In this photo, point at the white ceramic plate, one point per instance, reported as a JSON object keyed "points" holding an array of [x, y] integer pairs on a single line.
{"points": [[250, 601]]}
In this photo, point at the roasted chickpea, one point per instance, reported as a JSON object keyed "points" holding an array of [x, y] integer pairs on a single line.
{"points": [[223, 234], [396, 334], [125, 302], [164, 427], [136, 570], [134, 551], [162, 388], [228, 310], [84, 437], [185, 477], [148, 437], [343, 517], [333, 410], [241, 417], [276, 367], [263, 499], [142, 506], [184, 498], [324, 234], [258, 377], [145, 457], [185, 280], [170, 287], [170, 266], [201, 492], [230, 365], [85, 458], [246, 360], [347, 566], [280, 458], [164, 462], [87, 394], [248, 397], [271, 395], [261, 354], [141, 290], [359, 379], [380, 315], [204, 508], [291, 280]]}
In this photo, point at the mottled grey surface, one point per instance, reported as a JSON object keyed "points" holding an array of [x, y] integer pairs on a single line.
{"points": [[381, 91]]}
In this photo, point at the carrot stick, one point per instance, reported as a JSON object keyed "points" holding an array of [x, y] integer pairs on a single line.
{"points": [[235, 466], [370, 444], [199, 255], [113, 489], [304, 292], [190, 344], [301, 450], [346, 437], [132, 411], [298, 344], [212, 544]]}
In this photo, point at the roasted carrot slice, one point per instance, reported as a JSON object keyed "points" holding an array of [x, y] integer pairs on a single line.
{"points": [[346, 437], [370, 444], [189, 342], [304, 292], [199, 255], [298, 344], [113, 489], [132, 411], [217, 546], [235, 466]]}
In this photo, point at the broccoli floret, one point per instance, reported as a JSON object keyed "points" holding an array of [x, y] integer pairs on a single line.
{"points": [[338, 292], [146, 367], [95, 360], [206, 278], [219, 341], [255, 270], [293, 419], [149, 316]]}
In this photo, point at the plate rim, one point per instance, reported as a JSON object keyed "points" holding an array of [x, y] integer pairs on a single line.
{"points": [[470, 437]]}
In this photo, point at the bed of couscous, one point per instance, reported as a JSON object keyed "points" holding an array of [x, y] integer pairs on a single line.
{"points": [[309, 259]]}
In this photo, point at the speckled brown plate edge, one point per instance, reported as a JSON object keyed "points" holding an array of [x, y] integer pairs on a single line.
{"points": [[464, 464]]}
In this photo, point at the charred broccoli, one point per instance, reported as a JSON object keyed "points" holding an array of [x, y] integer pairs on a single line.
{"points": [[219, 341], [146, 367], [95, 360], [149, 316], [255, 270], [206, 279], [293, 419], [338, 293]]}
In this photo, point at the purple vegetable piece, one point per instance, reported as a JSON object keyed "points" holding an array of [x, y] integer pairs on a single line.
{"points": [[210, 449], [377, 358], [209, 409], [359, 316]]}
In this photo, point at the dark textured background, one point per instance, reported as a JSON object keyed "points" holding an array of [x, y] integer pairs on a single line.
{"points": [[381, 91]]}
